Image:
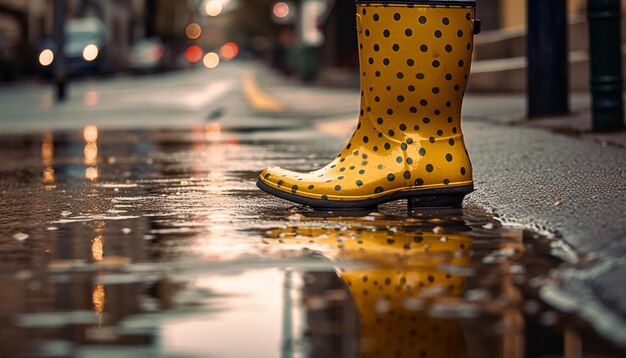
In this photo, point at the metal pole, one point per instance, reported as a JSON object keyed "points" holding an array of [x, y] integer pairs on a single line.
{"points": [[60, 69], [605, 56], [548, 83]]}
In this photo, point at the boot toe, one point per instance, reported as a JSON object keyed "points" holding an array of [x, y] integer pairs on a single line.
{"points": [[282, 179]]}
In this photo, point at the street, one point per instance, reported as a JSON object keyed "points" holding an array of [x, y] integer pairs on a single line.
{"points": [[131, 225], [312, 178]]}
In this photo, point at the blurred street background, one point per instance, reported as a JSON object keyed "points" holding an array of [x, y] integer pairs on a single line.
{"points": [[312, 40], [132, 133]]}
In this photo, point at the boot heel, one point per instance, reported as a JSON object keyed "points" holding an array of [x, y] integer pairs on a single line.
{"points": [[438, 198]]}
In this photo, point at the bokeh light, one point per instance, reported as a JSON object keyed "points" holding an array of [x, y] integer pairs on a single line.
{"points": [[47, 158], [229, 50], [90, 133], [90, 52], [48, 175], [213, 7], [193, 53], [193, 31], [91, 98], [47, 149], [211, 60], [280, 10], [91, 173], [213, 128], [98, 298], [97, 248], [91, 153], [46, 57]]}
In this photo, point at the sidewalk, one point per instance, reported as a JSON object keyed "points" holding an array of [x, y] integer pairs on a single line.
{"points": [[551, 175]]}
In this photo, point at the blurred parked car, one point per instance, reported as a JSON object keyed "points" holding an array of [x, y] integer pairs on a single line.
{"points": [[86, 43], [149, 56]]}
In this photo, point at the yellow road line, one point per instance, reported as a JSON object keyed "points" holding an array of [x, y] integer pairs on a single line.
{"points": [[257, 99]]}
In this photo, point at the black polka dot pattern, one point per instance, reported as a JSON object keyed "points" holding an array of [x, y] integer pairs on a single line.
{"points": [[415, 62], [388, 297]]}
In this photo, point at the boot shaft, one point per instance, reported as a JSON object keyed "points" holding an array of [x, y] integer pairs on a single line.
{"points": [[415, 62]]}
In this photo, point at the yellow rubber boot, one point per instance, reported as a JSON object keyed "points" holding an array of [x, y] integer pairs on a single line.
{"points": [[415, 60], [402, 279]]}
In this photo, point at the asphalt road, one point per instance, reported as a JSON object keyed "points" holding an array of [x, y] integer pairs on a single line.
{"points": [[185, 148]]}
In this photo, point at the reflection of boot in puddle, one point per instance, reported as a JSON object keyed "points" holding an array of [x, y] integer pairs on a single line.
{"points": [[404, 277]]}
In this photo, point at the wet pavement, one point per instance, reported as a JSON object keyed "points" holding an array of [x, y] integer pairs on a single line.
{"points": [[144, 243], [131, 225]]}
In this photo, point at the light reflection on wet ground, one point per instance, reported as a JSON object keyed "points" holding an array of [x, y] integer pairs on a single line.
{"points": [[142, 243]]}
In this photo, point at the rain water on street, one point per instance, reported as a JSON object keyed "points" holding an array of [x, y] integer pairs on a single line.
{"points": [[158, 243]]}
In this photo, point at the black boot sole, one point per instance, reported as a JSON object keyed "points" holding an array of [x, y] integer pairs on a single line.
{"points": [[417, 199]]}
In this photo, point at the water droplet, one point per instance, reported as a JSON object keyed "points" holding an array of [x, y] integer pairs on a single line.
{"points": [[108, 160], [489, 226], [477, 295], [23, 275], [126, 230], [454, 310], [413, 304], [294, 217], [20, 236], [499, 256], [382, 305]]}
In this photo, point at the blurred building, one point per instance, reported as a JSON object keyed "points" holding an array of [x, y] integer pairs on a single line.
{"points": [[14, 34], [512, 13], [339, 50], [14, 18], [26, 24], [124, 20], [500, 50]]}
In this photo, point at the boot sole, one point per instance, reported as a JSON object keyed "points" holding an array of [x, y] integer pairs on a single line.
{"points": [[417, 199]]}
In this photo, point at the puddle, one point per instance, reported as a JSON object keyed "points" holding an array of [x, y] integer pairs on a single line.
{"points": [[158, 244]]}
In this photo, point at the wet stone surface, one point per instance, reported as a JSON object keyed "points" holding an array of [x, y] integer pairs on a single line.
{"points": [[158, 243]]}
